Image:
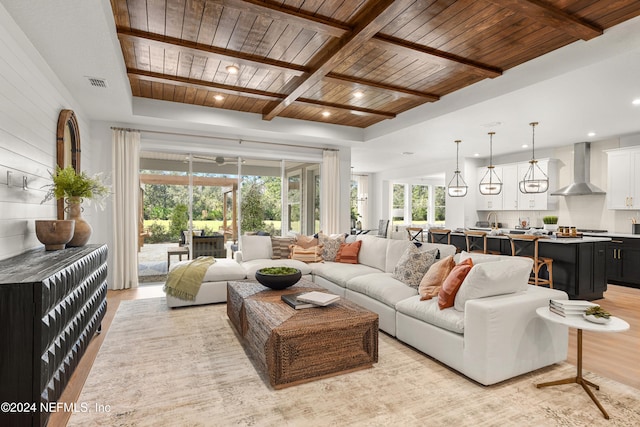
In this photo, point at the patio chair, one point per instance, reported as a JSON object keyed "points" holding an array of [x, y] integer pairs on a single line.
{"points": [[209, 246]]}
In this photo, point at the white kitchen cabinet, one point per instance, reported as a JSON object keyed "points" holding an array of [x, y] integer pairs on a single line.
{"points": [[511, 199], [623, 186], [489, 203], [510, 190]]}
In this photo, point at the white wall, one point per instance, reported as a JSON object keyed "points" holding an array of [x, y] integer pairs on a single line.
{"points": [[31, 98]]}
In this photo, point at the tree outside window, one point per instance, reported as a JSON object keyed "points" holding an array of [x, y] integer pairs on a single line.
{"points": [[398, 204]]}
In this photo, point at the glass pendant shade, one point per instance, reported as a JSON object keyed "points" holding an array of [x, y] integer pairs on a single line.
{"points": [[490, 184], [534, 180], [457, 186]]}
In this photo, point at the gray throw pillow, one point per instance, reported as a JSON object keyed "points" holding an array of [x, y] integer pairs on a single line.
{"points": [[413, 265]]}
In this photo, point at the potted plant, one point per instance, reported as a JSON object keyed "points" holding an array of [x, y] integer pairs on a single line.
{"points": [[75, 188], [550, 222]]}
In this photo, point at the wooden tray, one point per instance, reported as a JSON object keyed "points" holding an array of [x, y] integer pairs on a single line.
{"points": [[569, 236]]}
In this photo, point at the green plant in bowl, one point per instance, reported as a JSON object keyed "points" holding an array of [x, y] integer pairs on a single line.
{"points": [[597, 311], [278, 277]]}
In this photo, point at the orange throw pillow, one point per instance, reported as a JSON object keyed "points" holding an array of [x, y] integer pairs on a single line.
{"points": [[348, 252], [450, 286], [432, 281]]}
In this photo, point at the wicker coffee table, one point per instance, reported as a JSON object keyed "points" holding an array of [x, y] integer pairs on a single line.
{"points": [[295, 346]]}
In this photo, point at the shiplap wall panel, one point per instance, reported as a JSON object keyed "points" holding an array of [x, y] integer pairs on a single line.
{"points": [[30, 103]]}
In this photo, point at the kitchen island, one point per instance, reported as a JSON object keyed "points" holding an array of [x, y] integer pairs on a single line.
{"points": [[579, 264]]}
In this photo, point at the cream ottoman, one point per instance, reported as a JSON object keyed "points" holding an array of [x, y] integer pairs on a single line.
{"points": [[214, 283]]}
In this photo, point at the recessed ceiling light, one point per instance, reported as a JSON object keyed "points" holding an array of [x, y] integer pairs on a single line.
{"points": [[326, 114], [358, 94], [407, 153], [476, 154], [218, 97], [591, 134], [525, 145], [636, 101], [232, 69]]}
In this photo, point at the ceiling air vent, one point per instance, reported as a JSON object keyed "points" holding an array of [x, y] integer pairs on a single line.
{"points": [[97, 82]]}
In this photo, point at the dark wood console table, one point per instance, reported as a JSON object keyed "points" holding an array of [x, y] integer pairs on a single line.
{"points": [[51, 305]]}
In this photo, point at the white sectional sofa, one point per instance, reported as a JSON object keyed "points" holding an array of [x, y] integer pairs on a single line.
{"points": [[491, 334]]}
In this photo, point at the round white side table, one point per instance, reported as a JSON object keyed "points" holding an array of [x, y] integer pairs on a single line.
{"points": [[615, 325]]}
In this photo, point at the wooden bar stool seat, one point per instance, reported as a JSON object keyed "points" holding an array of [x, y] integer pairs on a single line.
{"points": [[440, 235], [526, 245], [477, 242]]}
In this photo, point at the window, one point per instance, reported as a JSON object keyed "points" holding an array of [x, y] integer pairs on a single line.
{"points": [[419, 205]]}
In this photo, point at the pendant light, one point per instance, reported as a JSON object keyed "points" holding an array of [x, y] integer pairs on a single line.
{"points": [[490, 184], [457, 187], [535, 180]]}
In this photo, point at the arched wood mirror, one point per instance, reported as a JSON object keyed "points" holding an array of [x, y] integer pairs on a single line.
{"points": [[67, 146]]}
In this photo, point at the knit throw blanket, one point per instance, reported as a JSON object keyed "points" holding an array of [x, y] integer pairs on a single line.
{"points": [[184, 281]]}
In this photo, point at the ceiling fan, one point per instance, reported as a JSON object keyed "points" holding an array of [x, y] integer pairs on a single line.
{"points": [[218, 160]]}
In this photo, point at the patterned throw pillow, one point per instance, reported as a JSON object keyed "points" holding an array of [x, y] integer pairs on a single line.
{"points": [[312, 254], [330, 245], [280, 246], [348, 252], [432, 281], [413, 265]]}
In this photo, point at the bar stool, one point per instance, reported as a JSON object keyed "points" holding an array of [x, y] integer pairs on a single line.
{"points": [[440, 235], [415, 233], [525, 245], [476, 241]]}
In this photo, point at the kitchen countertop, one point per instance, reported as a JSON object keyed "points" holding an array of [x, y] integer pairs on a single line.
{"points": [[613, 234], [597, 237]]}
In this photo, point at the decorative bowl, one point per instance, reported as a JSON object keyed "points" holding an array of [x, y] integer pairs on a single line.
{"points": [[594, 319], [278, 278], [55, 233]]}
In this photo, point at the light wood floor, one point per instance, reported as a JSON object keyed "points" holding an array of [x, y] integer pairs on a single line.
{"points": [[611, 355]]}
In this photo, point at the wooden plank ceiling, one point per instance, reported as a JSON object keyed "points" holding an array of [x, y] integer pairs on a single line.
{"points": [[357, 61]]}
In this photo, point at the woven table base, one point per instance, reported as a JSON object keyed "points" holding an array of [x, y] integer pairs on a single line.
{"points": [[297, 346]]}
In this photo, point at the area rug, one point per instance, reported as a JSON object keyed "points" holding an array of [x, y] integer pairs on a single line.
{"points": [[186, 367]]}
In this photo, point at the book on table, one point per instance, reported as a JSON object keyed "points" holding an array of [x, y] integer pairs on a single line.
{"points": [[293, 301], [570, 307], [318, 298]]}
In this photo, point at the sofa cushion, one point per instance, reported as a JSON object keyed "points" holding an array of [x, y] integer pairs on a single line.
{"points": [[280, 247], [395, 250], [479, 258], [487, 279], [250, 267], [450, 286], [444, 250], [330, 245], [373, 251], [348, 252], [429, 312], [222, 270], [340, 273], [382, 287], [255, 247], [413, 265], [433, 279], [311, 254]]}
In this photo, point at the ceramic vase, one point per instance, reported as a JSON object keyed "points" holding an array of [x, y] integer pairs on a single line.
{"points": [[54, 234], [83, 229]]}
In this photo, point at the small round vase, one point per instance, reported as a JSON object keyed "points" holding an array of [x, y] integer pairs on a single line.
{"points": [[54, 233], [83, 229]]}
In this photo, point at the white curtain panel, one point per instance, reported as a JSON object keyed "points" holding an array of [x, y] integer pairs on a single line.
{"points": [[126, 188], [330, 192]]}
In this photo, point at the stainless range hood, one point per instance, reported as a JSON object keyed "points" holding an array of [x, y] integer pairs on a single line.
{"points": [[581, 173]]}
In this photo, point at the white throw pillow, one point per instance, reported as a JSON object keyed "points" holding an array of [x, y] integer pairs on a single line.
{"points": [[256, 247], [488, 279], [373, 251]]}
